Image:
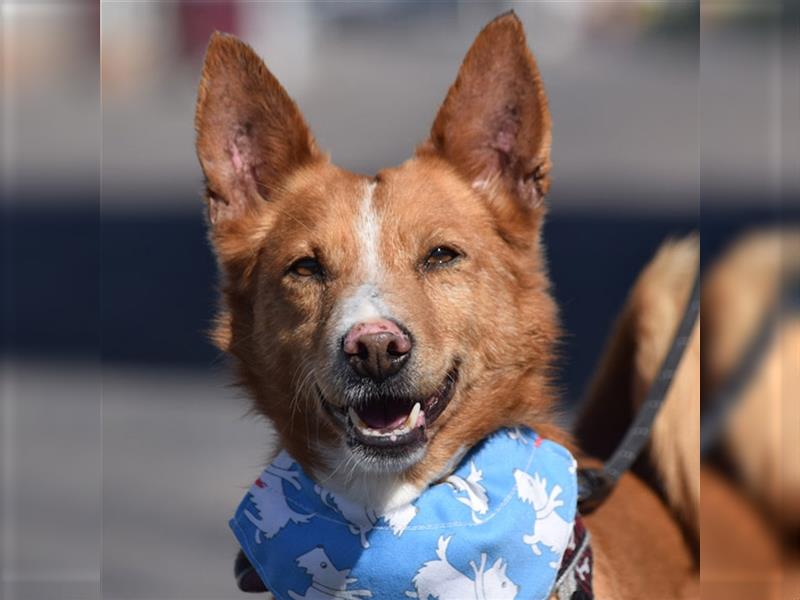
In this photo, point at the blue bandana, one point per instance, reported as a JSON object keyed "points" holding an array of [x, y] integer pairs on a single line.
{"points": [[496, 529]]}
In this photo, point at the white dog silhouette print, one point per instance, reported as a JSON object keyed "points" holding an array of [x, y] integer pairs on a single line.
{"points": [[268, 498], [326, 580], [549, 528], [399, 518], [440, 580], [476, 497], [362, 519]]}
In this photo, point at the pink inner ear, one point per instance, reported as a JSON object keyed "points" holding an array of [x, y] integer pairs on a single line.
{"points": [[236, 158], [504, 142], [240, 150], [242, 164], [506, 127], [240, 177]]}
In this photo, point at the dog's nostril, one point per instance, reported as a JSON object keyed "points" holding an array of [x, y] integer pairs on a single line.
{"points": [[395, 350], [363, 351]]}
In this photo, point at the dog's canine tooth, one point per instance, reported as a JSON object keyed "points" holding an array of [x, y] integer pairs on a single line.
{"points": [[356, 419], [411, 421]]}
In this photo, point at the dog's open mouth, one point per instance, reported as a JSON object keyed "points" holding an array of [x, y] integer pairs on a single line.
{"points": [[393, 424]]}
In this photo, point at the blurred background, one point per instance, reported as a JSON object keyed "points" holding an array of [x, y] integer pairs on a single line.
{"points": [[123, 450]]}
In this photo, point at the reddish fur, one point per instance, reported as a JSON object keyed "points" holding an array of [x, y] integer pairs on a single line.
{"points": [[740, 557], [477, 184]]}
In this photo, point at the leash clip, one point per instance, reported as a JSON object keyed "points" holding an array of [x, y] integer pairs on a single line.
{"points": [[594, 486]]}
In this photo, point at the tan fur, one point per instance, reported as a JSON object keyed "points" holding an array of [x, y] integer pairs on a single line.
{"points": [[659, 299], [641, 339], [476, 185], [761, 438], [740, 524], [749, 505]]}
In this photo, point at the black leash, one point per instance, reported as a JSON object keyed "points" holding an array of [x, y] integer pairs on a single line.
{"points": [[722, 402], [595, 484], [713, 419]]}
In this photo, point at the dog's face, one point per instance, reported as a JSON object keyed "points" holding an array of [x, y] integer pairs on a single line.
{"points": [[383, 322]]}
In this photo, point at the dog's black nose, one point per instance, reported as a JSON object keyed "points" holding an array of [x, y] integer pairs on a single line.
{"points": [[377, 349]]}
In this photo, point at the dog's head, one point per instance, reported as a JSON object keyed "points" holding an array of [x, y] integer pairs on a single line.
{"points": [[387, 321]]}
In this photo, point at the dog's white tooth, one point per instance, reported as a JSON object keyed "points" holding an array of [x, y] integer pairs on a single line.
{"points": [[411, 421], [356, 419]]}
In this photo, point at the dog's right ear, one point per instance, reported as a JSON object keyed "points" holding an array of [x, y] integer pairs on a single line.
{"points": [[494, 124], [250, 134]]}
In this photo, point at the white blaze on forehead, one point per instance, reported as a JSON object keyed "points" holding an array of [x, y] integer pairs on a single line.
{"points": [[368, 237], [365, 302]]}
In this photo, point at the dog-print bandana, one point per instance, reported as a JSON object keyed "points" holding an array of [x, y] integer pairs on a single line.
{"points": [[496, 529]]}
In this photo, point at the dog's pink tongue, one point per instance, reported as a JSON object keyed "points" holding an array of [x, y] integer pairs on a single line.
{"points": [[384, 415]]}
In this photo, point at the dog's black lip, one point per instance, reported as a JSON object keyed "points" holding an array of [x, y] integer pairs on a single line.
{"points": [[338, 413], [442, 397], [434, 409]]}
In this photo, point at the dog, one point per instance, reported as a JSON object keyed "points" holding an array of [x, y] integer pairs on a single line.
{"points": [[474, 494], [327, 582], [267, 503], [439, 579], [385, 324], [549, 527]]}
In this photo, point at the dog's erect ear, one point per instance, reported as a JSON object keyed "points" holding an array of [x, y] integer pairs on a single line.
{"points": [[494, 126], [250, 134]]}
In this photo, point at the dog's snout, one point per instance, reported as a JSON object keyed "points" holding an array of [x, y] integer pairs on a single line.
{"points": [[376, 349]]}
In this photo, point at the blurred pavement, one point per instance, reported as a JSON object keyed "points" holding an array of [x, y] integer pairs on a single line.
{"points": [[171, 453]]}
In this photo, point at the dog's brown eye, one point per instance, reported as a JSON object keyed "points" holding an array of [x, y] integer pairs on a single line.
{"points": [[308, 266], [440, 256]]}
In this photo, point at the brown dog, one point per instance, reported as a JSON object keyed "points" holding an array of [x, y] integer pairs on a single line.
{"points": [[386, 323]]}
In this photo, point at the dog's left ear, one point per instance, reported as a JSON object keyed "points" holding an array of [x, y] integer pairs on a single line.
{"points": [[250, 133], [494, 126]]}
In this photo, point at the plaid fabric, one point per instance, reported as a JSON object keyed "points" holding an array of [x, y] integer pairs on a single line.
{"points": [[574, 580]]}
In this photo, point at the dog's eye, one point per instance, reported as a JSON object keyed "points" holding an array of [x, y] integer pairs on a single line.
{"points": [[440, 256], [308, 266]]}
